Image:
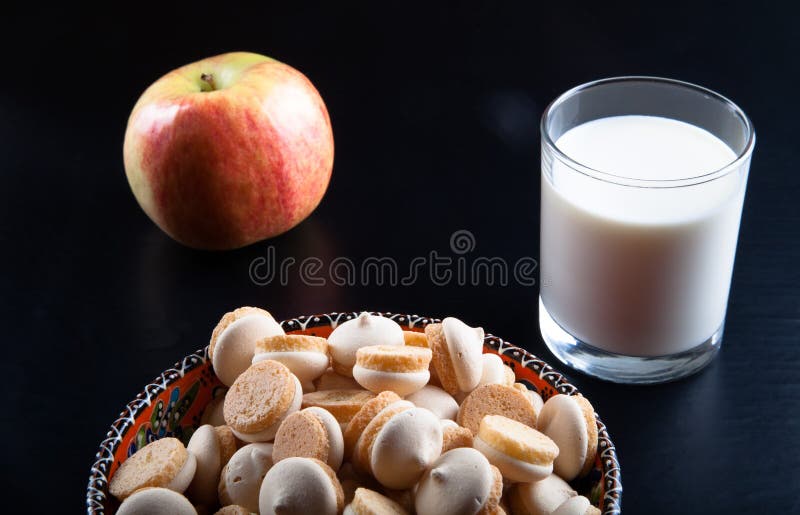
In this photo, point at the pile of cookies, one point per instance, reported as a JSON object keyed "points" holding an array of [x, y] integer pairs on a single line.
{"points": [[371, 420]]}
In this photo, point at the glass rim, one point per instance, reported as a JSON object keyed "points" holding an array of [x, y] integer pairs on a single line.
{"points": [[623, 180]]}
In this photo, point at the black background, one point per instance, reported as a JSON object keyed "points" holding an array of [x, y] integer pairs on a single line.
{"points": [[435, 114]]}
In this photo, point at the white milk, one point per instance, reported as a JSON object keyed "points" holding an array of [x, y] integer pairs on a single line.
{"points": [[639, 271]]}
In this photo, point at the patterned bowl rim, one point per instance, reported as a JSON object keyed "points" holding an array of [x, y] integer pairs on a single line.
{"points": [[98, 482]]}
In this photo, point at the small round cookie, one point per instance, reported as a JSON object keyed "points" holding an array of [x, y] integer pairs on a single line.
{"points": [[342, 404], [299, 486], [212, 414], [455, 436], [457, 350], [461, 481], [522, 453], [156, 501], [541, 497], [405, 447], [206, 447], [260, 398], [233, 509], [310, 433], [534, 397], [397, 368], [241, 478], [163, 463], [578, 505], [361, 331], [330, 380], [234, 338], [359, 422], [495, 399], [306, 356], [495, 371], [370, 502], [570, 421], [416, 339], [433, 398], [363, 448]]}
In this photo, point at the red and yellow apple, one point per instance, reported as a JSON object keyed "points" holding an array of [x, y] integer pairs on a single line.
{"points": [[229, 150]]}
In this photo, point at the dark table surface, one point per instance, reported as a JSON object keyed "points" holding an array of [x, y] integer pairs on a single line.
{"points": [[435, 114]]}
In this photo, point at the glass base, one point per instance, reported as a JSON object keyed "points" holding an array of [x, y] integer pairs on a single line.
{"points": [[619, 368]]}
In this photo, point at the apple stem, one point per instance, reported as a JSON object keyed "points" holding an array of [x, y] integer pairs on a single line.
{"points": [[208, 79]]}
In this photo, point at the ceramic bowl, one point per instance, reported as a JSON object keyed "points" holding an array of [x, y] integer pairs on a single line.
{"points": [[172, 404]]}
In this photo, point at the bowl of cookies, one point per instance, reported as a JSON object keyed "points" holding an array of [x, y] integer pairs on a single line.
{"points": [[356, 413]]}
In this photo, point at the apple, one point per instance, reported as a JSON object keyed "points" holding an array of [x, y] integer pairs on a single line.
{"points": [[229, 150]]}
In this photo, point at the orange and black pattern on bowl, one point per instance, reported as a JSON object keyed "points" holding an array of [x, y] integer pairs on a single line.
{"points": [[172, 404]]}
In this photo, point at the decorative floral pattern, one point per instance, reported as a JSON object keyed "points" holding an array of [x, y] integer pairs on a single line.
{"points": [[172, 404]]}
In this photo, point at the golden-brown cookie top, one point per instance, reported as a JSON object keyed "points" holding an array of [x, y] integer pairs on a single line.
{"points": [[359, 422], [292, 343], [591, 427], [260, 396], [342, 404], [301, 434], [495, 399], [440, 358], [393, 358], [154, 465], [416, 339], [455, 436], [370, 502], [517, 440]]}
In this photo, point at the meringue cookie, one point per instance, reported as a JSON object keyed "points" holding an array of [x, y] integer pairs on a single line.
{"points": [[358, 423], [570, 421], [520, 452], [156, 501], [534, 397], [494, 371], [460, 482], [578, 505], [359, 332], [162, 463], [438, 401], [233, 341], [205, 446], [405, 447], [362, 452], [495, 399], [457, 350], [311, 433], [397, 368], [306, 356], [241, 478], [541, 497], [300, 486], [260, 399]]}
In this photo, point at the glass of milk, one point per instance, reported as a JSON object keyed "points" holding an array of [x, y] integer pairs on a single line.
{"points": [[643, 181]]}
